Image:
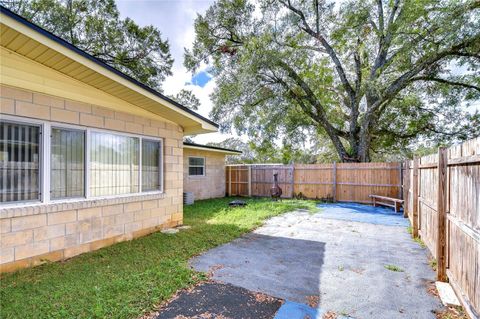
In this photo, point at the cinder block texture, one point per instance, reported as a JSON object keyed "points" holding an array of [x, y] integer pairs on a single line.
{"points": [[33, 233]]}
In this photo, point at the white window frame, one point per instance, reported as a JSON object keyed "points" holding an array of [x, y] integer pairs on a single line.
{"points": [[204, 166], [45, 158], [41, 159]]}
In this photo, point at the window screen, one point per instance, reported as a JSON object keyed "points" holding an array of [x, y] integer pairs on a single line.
{"points": [[151, 164], [20, 162], [196, 166], [67, 164], [114, 164]]}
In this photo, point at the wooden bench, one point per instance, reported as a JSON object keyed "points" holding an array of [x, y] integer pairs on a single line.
{"points": [[385, 201]]}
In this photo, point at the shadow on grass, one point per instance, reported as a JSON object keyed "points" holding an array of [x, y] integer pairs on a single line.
{"points": [[130, 278]]}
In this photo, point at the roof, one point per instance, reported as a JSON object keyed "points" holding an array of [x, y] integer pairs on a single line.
{"points": [[210, 148], [30, 40]]}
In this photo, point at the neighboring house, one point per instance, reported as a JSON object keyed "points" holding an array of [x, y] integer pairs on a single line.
{"points": [[204, 170], [88, 156]]}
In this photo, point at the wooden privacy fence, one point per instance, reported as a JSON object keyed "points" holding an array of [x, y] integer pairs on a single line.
{"points": [[347, 182], [442, 201]]}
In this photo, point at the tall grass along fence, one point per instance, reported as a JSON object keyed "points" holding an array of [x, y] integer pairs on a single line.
{"points": [[442, 201], [347, 182]]}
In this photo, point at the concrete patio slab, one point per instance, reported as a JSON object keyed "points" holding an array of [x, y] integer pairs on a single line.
{"points": [[300, 255]]}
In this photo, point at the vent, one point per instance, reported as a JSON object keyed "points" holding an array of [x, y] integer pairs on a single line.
{"points": [[188, 198]]}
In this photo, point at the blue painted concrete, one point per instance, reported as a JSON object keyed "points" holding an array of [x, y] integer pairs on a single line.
{"points": [[363, 214], [294, 310]]}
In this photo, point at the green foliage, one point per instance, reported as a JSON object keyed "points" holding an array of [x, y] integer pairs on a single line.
{"points": [[187, 98], [131, 278], [95, 26], [370, 80], [419, 241], [266, 152]]}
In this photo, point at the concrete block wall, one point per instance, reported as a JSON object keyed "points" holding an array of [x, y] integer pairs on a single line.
{"points": [[212, 185], [31, 234]]}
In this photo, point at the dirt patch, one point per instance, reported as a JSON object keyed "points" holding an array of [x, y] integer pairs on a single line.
{"points": [[330, 315], [358, 270], [213, 269], [432, 289], [313, 301], [205, 315], [451, 313]]}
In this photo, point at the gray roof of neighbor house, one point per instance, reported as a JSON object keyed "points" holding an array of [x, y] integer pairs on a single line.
{"points": [[211, 148]]}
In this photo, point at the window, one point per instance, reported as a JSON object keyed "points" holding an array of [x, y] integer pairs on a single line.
{"points": [[67, 165], [151, 165], [114, 164], [42, 161], [196, 166], [20, 162]]}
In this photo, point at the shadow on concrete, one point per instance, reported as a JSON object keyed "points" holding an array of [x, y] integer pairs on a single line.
{"points": [[287, 268]]}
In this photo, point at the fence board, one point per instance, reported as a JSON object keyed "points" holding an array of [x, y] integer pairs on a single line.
{"points": [[350, 182], [353, 182], [462, 216]]}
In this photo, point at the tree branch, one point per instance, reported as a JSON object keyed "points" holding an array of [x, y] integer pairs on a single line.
{"points": [[330, 51], [445, 81]]}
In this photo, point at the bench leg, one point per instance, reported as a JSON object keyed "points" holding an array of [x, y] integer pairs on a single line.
{"points": [[396, 207], [374, 202]]}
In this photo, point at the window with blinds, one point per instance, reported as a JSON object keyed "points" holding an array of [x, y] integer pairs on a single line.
{"points": [[67, 175], [151, 162], [114, 164], [20, 162], [196, 166]]}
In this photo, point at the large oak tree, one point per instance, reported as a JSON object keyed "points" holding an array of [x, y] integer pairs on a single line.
{"points": [[367, 75]]}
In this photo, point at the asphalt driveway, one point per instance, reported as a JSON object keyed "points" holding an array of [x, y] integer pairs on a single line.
{"points": [[350, 259]]}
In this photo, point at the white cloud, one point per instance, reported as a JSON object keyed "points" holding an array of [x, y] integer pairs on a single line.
{"points": [[175, 19]]}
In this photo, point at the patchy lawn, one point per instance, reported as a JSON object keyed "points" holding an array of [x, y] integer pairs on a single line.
{"points": [[131, 278]]}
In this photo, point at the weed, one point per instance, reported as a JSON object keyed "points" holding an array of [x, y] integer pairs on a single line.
{"points": [[420, 242], [394, 268]]}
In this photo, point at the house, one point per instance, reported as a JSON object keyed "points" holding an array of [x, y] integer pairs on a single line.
{"points": [[89, 156], [204, 170]]}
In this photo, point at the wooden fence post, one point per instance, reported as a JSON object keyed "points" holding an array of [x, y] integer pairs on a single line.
{"points": [[230, 181], [400, 178], [442, 215], [406, 186], [292, 182], [415, 198], [249, 181], [334, 185]]}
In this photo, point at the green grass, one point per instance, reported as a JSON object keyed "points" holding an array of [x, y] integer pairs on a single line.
{"points": [[131, 278], [420, 242], [433, 263], [394, 268]]}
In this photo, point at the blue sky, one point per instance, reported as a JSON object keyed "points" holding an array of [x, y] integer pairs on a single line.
{"points": [[175, 18]]}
